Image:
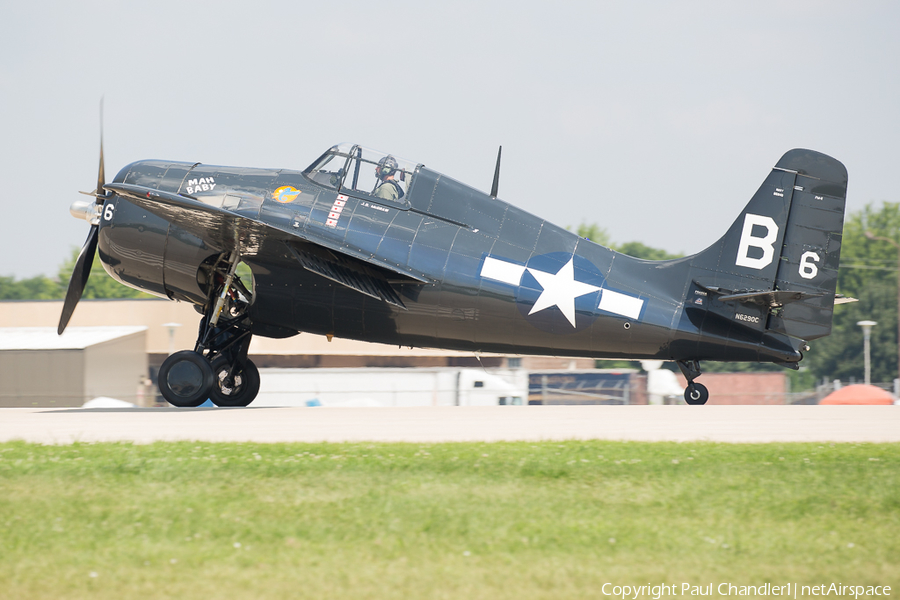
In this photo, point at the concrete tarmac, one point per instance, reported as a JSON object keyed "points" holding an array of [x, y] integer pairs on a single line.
{"points": [[737, 424]]}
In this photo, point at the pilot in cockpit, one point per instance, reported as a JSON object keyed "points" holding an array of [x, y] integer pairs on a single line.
{"points": [[387, 172]]}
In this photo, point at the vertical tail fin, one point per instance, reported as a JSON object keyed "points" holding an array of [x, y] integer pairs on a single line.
{"points": [[776, 268]]}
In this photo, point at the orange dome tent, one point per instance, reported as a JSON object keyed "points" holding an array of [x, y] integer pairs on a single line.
{"points": [[858, 394]]}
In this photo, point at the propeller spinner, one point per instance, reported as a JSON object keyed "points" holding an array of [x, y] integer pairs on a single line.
{"points": [[90, 211]]}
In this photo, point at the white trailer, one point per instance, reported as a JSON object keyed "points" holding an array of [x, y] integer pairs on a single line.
{"points": [[391, 387]]}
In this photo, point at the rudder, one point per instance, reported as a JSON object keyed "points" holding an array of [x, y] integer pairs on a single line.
{"points": [[811, 252]]}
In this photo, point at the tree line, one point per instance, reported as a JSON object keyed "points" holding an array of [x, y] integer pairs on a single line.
{"points": [[868, 272], [41, 287]]}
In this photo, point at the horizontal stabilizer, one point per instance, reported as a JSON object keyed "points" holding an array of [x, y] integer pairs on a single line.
{"points": [[772, 298]]}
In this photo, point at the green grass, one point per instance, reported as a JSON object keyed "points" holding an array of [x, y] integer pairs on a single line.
{"points": [[504, 520]]}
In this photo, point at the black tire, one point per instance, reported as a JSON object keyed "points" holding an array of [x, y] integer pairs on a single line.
{"points": [[244, 390], [696, 393], [185, 379]]}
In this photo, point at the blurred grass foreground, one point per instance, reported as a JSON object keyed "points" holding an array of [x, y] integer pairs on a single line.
{"points": [[475, 520]]}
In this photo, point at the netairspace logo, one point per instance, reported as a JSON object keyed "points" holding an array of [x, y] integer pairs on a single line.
{"points": [[788, 590]]}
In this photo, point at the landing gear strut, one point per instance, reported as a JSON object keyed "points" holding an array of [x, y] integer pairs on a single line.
{"points": [[694, 393], [217, 368]]}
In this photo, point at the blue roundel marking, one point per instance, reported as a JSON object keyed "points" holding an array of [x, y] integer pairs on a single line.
{"points": [[552, 319]]}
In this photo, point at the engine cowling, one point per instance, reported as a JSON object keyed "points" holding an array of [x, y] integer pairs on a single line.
{"points": [[146, 252]]}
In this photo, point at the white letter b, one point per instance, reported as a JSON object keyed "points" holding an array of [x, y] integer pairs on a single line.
{"points": [[748, 240]]}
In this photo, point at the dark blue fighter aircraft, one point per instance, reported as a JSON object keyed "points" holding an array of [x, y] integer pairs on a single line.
{"points": [[370, 247]]}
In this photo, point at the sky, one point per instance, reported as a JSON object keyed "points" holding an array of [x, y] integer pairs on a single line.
{"points": [[655, 120]]}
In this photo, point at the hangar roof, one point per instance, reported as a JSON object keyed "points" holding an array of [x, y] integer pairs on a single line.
{"points": [[74, 338]]}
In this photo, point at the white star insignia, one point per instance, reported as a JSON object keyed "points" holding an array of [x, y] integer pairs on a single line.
{"points": [[560, 290]]}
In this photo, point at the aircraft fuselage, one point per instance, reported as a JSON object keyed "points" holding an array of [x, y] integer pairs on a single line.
{"points": [[483, 275]]}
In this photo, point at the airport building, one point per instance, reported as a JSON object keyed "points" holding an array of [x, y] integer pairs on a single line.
{"points": [[40, 368], [172, 326], [137, 336]]}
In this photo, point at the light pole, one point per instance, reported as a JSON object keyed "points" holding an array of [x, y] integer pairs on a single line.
{"points": [[171, 327], [867, 334], [872, 236]]}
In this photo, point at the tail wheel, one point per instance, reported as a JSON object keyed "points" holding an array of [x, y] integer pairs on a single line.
{"points": [[238, 389], [696, 393], [185, 379]]}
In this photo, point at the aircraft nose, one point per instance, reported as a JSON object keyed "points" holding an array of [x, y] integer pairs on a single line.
{"points": [[89, 211]]}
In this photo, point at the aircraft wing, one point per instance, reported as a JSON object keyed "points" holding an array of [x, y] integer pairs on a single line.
{"points": [[224, 230]]}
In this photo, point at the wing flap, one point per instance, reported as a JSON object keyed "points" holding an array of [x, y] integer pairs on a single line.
{"points": [[346, 271]]}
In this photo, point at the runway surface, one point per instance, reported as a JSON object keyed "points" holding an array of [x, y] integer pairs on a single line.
{"points": [[456, 424]]}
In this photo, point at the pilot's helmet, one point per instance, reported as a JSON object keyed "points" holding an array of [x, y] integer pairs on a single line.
{"points": [[387, 166]]}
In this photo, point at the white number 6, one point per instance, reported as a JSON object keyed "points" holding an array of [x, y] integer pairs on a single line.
{"points": [[808, 269], [108, 213]]}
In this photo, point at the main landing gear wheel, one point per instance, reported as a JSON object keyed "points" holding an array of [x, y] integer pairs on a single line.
{"points": [[186, 379], [234, 389], [696, 393]]}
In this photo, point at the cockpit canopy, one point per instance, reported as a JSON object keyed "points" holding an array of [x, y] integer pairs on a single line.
{"points": [[354, 169]]}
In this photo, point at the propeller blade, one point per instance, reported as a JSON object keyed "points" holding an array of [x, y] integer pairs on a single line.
{"points": [[85, 261], [101, 172], [79, 278]]}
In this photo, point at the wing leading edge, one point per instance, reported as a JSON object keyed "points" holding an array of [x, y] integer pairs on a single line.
{"points": [[225, 231]]}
